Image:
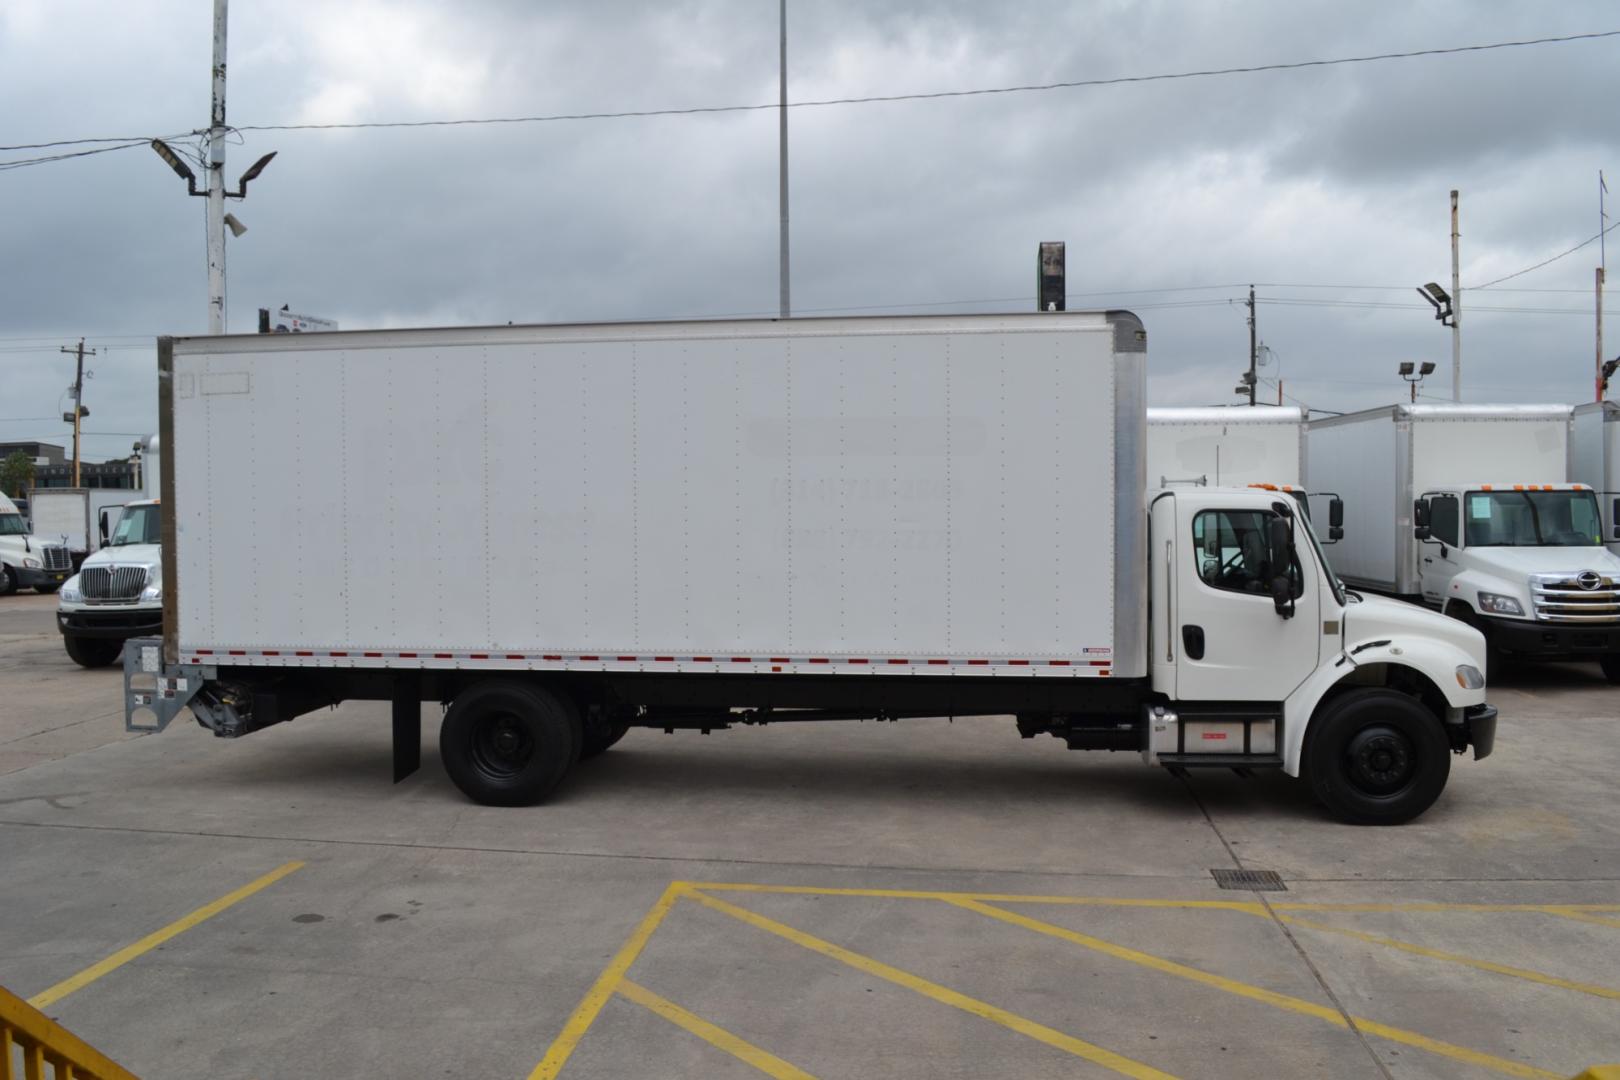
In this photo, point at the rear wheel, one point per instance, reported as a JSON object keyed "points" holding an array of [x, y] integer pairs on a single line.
{"points": [[1376, 757], [1611, 667], [508, 743], [90, 652]]}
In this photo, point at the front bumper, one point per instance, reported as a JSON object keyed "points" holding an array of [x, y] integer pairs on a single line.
{"points": [[1479, 730], [111, 622], [1551, 641], [29, 577]]}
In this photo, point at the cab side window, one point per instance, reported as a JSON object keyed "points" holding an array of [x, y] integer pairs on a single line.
{"points": [[1230, 552], [1444, 515]]}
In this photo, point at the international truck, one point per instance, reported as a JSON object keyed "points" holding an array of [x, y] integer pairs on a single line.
{"points": [[1468, 509], [27, 560], [1594, 460], [117, 593], [562, 532]]}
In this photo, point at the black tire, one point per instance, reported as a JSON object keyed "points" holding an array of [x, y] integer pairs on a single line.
{"points": [[8, 580], [1610, 663], [92, 652], [46, 590], [1376, 757], [599, 737], [508, 743]]}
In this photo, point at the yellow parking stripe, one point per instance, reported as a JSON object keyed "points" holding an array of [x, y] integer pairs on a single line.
{"points": [[606, 983], [763, 1060], [158, 937], [1567, 910], [1040, 1032], [1256, 993], [1579, 914], [1436, 954]]}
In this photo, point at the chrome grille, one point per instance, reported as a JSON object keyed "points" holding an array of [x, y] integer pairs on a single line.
{"points": [[1584, 597], [56, 557], [112, 583]]}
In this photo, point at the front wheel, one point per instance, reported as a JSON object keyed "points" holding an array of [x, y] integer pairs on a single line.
{"points": [[8, 580], [1611, 667], [508, 743], [1376, 757], [91, 652], [48, 588]]}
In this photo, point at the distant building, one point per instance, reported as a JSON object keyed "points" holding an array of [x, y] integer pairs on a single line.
{"points": [[43, 453], [105, 474]]}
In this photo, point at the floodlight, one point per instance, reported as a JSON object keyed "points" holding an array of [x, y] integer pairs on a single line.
{"points": [[1426, 369], [1407, 367], [175, 162], [253, 171]]}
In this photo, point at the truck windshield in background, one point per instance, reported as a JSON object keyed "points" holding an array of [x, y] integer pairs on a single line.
{"points": [[13, 525], [1532, 519], [138, 525]]}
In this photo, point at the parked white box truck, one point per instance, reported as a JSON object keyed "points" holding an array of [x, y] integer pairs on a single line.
{"points": [[1467, 508], [706, 524], [117, 593], [28, 560], [1594, 460]]}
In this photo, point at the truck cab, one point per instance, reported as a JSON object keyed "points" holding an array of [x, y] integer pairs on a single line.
{"points": [[28, 561], [1525, 564], [118, 592], [1260, 652]]}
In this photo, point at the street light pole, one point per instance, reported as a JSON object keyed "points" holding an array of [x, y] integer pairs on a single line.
{"points": [[1456, 309], [216, 179], [782, 168]]}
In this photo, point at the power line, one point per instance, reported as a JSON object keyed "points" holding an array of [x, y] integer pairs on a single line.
{"points": [[1544, 262], [938, 94], [20, 163]]}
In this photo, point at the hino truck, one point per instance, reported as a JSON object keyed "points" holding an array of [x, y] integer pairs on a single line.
{"points": [[1468, 509], [1594, 460], [28, 561], [118, 592], [727, 523]]}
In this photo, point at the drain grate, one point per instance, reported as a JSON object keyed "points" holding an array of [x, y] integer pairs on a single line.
{"points": [[1253, 880]]}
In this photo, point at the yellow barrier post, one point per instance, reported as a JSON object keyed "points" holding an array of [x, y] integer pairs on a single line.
{"points": [[45, 1042]]}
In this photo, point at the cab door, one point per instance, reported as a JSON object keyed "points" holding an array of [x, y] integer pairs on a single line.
{"points": [[1163, 543], [1437, 556], [1231, 643]]}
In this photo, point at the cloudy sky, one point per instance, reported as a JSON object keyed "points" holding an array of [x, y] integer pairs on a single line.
{"points": [[1327, 186]]}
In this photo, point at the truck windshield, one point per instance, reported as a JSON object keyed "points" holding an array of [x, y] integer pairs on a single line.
{"points": [[1532, 519], [13, 525], [138, 525]]}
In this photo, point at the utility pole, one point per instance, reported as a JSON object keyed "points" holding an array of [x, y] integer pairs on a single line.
{"points": [[1456, 309], [78, 399], [782, 168], [1254, 350], [216, 179], [1603, 262]]}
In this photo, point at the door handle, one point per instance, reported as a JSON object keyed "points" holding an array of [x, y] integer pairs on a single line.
{"points": [[1427, 559], [1192, 641]]}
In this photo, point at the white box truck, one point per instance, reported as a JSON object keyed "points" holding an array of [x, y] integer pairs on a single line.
{"points": [[1594, 460], [1468, 509], [1263, 446], [27, 560], [725, 523], [117, 593]]}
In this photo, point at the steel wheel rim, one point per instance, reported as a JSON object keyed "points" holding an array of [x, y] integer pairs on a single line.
{"points": [[1381, 761], [502, 746]]}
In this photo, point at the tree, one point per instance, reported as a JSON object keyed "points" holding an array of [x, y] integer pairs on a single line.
{"points": [[16, 473]]}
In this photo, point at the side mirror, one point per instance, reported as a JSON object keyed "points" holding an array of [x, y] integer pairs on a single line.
{"points": [[1614, 516], [1280, 555], [1336, 513], [1420, 520], [1335, 533]]}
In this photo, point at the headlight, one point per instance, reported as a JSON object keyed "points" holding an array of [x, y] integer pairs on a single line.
{"points": [[70, 593], [152, 592], [32, 564], [1469, 677], [1497, 604]]}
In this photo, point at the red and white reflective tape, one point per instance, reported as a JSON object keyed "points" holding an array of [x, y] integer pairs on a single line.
{"points": [[1086, 665]]}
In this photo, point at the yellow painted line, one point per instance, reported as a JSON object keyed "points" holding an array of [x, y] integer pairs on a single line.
{"points": [[1579, 914], [586, 1011], [158, 937], [742, 1050], [1135, 902], [1256, 993], [1437, 954], [1023, 1026]]}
